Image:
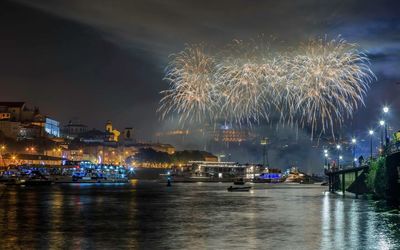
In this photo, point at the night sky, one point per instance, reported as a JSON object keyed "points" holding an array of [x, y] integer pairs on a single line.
{"points": [[97, 60]]}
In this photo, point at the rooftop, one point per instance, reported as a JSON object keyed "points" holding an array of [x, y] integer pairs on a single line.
{"points": [[12, 104]]}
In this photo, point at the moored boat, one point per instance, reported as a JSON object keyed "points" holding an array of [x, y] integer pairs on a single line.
{"points": [[238, 189]]}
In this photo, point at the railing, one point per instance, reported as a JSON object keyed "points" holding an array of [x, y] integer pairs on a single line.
{"points": [[393, 147]]}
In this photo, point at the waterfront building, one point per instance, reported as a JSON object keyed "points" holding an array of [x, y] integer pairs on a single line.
{"points": [[13, 110], [29, 131], [31, 159], [10, 129], [17, 121], [73, 129]]}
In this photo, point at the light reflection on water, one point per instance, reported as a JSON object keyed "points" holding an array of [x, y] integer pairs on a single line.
{"points": [[148, 215]]}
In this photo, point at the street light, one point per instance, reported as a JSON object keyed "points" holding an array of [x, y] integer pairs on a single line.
{"points": [[338, 152], [354, 142], [382, 124], [371, 133], [326, 157], [387, 139], [340, 158]]}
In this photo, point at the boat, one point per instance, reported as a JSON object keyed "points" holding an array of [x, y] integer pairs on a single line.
{"points": [[92, 175], [238, 189], [33, 179], [239, 181]]}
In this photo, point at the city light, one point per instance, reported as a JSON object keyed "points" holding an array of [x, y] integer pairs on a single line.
{"points": [[354, 140], [325, 151], [382, 122], [338, 146], [326, 154], [371, 132], [340, 157]]}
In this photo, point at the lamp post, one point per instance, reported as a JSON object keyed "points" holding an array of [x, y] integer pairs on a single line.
{"points": [[385, 112], [338, 154], [264, 143], [354, 142], [382, 128], [326, 158], [371, 133]]}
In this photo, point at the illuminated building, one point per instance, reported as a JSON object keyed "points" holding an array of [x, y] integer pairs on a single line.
{"points": [[19, 122], [5, 116], [31, 159], [50, 127], [229, 134], [113, 132]]}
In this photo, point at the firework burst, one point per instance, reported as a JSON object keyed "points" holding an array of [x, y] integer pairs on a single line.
{"points": [[192, 88], [317, 85]]}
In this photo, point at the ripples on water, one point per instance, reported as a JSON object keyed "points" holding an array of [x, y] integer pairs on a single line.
{"points": [[148, 215]]}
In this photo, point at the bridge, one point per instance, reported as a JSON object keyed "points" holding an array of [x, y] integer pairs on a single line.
{"points": [[352, 178], [343, 179]]}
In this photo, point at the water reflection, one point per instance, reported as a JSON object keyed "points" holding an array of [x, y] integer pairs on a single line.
{"points": [[147, 215], [357, 224]]}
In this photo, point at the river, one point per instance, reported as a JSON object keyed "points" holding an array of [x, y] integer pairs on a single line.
{"points": [[149, 215]]}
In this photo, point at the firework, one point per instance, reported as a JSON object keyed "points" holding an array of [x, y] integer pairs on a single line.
{"points": [[317, 85], [241, 80], [329, 82], [191, 94]]}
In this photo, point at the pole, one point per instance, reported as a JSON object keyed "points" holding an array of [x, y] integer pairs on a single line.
{"points": [[354, 155], [343, 184], [264, 147], [386, 135], [382, 139], [371, 149]]}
